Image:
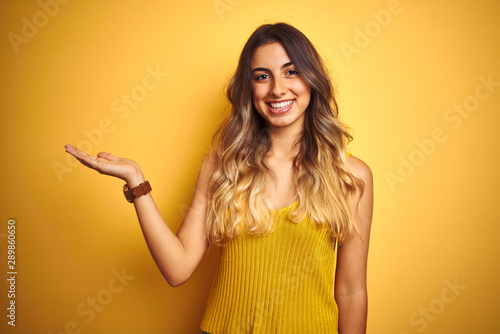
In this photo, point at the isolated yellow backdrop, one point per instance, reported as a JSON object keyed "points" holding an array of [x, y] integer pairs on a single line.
{"points": [[418, 81]]}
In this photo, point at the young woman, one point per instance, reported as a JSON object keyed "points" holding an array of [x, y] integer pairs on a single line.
{"points": [[279, 194]]}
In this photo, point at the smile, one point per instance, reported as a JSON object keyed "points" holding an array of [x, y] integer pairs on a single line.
{"points": [[280, 107]]}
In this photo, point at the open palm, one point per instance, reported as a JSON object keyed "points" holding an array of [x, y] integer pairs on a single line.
{"points": [[106, 163]]}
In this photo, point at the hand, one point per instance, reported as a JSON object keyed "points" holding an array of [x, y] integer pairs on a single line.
{"points": [[106, 163]]}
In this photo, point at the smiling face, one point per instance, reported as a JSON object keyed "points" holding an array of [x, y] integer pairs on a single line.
{"points": [[280, 95]]}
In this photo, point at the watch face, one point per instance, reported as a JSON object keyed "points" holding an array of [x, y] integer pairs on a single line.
{"points": [[137, 191]]}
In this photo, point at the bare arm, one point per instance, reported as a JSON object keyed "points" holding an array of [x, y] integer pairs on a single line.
{"points": [[350, 280], [177, 256]]}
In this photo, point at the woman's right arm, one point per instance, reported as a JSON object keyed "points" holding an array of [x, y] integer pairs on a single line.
{"points": [[177, 256]]}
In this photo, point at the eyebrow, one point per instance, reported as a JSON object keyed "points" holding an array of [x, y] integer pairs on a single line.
{"points": [[263, 69]]}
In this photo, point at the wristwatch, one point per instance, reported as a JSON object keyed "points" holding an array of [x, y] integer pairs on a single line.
{"points": [[140, 190]]}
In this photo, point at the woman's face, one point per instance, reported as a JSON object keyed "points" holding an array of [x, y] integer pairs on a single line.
{"points": [[280, 95]]}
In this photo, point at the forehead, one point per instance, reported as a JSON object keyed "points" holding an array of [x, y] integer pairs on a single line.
{"points": [[271, 55]]}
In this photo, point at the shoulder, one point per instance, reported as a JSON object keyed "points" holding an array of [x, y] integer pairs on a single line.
{"points": [[363, 197], [210, 160], [360, 169]]}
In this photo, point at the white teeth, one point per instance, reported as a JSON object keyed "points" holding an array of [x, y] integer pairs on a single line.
{"points": [[281, 105]]}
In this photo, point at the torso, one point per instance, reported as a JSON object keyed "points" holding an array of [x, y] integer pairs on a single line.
{"points": [[276, 283]]}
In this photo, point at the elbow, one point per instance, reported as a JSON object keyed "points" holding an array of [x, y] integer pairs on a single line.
{"points": [[178, 279], [178, 271], [174, 283]]}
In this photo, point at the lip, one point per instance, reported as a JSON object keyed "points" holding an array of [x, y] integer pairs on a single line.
{"points": [[279, 111]]}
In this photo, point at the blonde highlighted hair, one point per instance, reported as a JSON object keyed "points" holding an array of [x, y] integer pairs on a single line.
{"points": [[324, 184]]}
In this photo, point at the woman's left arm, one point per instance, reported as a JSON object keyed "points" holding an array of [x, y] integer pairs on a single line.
{"points": [[350, 278]]}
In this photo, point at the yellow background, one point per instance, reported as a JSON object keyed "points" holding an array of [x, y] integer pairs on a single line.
{"points": [[74, 228]]}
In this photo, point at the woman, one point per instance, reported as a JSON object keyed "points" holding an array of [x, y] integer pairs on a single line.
{"points": [[278, 193]]}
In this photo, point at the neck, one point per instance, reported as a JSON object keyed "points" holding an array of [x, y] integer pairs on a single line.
{"points": [[282, 141]]}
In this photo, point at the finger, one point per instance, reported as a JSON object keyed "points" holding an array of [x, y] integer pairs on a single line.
{"points": [[87, 160], [82, 157], [70, 149], [82, 154], [107, 156], [76, 152], [84, 163]]}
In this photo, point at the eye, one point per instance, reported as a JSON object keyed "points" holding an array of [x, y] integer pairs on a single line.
{"points": [[261, 77], [292, 72]]}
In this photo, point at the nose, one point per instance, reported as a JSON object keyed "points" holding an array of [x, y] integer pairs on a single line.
{"points": [[279, 87]]}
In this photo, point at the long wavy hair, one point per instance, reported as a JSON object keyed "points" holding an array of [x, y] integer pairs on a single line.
{"points": [[325, 186]]}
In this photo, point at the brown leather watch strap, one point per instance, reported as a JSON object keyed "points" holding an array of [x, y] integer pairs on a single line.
{"points": [[140, 190]]}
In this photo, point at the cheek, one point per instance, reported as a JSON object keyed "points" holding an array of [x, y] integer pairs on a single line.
{"points": [[304, 91], [258, 94], [308, 96]]}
